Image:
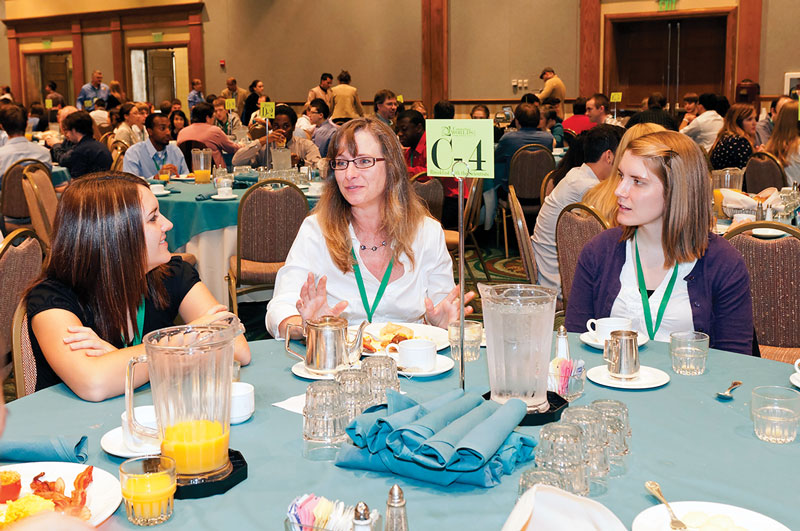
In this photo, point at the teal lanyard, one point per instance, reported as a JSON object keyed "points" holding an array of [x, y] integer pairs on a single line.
{"points": [[137, 337], [362, 290], [648, 318]]}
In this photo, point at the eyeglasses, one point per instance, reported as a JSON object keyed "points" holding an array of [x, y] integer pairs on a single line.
{"points": [[362, 163]]}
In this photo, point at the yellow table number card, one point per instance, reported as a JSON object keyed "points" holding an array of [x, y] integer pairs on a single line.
{"points": [[452, 141], [616, 97], [266, 109], [230, 104], [400, 98], [48, 103]]}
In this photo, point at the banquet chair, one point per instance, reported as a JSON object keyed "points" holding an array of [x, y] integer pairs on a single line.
{"points": [[418, 175], [529, 165], [547, 186], [105, 129], [20, 264], [569, 137], [472, 212], [118, 149], [432, 194], [576, 225], [763, 170], [12, 198], [523, 236], [42, 202], [107, 139], [267, 225], [23, 360], [774, 266], [257, 131], [186, 148]]}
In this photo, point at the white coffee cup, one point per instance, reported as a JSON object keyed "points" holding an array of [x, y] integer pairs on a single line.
{"points": [[603, 327], [157, 188], [415, 354], [243, 401], [797, 365], [146, 415], [225, 192]]}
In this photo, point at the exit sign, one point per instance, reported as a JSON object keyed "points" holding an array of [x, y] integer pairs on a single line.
{"points": [[667, 5]]}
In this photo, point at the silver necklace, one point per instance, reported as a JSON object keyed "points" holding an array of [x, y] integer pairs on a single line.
{"points": [[374, 247]]}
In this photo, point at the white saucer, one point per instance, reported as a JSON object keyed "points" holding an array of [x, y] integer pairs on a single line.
{"points": [[217, 197], [656, 517], [162, 194], [590, 339], [113, 444], [299, 370], [795, 379], [767, 233], [648, 378], [443, 364]]}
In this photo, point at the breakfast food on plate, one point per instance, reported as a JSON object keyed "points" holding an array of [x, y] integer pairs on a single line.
{"points": [[73, 505], [10, 485], [390, 333], [705, 522], [25, 507]]}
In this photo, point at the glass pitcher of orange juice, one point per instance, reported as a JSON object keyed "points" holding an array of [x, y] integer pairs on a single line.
{"points": [[201, 165], [190, 377]]}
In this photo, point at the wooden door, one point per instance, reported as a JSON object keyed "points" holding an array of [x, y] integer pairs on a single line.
{"points": [[160, 75], [57, 67]]}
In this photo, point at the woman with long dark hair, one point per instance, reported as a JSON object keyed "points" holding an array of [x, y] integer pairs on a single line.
{"points": [[253, 99], [177, 121], [108, 281]]}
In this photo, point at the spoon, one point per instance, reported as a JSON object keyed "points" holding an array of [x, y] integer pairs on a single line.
{"points": [[655, 489], [727, 394]]}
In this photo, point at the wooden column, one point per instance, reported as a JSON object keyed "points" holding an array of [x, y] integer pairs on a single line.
{"points": [[78, 73], [118, 51], [749, 52], [589, 73], [13, 63], [435, 61], [197, 68]]}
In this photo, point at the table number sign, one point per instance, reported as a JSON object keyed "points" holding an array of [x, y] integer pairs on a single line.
{"points": [[266, 109], [400, 98], [230, 104], [48, 103], [616, 97], [468, 141], [47, 44], [158, 36]]}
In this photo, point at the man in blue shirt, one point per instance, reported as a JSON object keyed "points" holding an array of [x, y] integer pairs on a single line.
{"points": [[196, 95], [95, 90], [528, 120], [318, 113], [14, 118], [146, 158]]}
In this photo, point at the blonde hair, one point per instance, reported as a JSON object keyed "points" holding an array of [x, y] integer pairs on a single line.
{"points": [[403, 211], [602, 195], [681, 167], [732, 125], [784, 140]]}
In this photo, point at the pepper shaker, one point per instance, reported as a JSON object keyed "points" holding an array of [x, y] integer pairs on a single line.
{"points": [[562, 343], [361, 518], [396, 519]]}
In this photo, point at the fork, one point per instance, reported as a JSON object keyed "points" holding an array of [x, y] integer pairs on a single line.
{"points": [[655, 489]]}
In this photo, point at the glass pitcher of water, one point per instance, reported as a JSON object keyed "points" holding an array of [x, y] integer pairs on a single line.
{"points": [[190, 376], [518, 319]]}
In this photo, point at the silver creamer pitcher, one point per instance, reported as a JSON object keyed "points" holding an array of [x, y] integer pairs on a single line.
{"points": [[622, 354], [327, 347]]}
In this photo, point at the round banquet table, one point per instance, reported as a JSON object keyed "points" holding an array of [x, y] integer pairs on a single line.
{"points": [[697, 447], [207, 229]]}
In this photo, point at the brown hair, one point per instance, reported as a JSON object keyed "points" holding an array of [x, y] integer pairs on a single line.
{"points": [[99, 251], [602, 196], [732, 125], [784, 140], [403, 211], [681, 167]]}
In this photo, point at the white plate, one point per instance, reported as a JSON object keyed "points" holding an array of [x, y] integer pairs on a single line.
{"points": [[162, 194], [443, 364], [184, 177], [656, 518], [795, 379], [590, 339], [421, 331], [764, 232], [103, 495], [299, 370], [648, 378], [217, 197], [112, 443]]}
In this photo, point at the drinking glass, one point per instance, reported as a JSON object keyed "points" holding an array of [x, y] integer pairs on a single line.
{"points": [[148, 488], [237, 368], [381, 374], [570, 389], [201, 165], [689, 351], [354, 387], [164, 175], [595, 437], [561, 450], [473, 334], [538, 476], [324, 419], [775, 411], [614, 408]]}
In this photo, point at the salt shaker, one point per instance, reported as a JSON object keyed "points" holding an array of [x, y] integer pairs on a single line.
{"points": [[361, 518], [396, 519], [759, 211], [562, 343]]}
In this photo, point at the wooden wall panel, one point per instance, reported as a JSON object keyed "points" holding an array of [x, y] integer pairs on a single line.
{"points": [[590, 47]]}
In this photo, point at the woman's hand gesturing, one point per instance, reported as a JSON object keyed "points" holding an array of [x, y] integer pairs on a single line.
{"points": [[447, 310], [313, 301]]}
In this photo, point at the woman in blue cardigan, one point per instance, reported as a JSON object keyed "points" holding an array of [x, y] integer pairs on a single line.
{"points": [[661, 267]]}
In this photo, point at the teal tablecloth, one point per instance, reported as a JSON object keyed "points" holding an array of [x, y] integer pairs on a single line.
{"points": [[59, 175], [697, 447]]}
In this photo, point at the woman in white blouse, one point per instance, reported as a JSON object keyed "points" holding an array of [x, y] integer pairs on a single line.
{"points": [[369, 250]]}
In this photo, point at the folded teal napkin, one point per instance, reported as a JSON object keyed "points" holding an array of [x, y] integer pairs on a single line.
{"points": [[45, 449], [405, 440], [359, 428], [202, 197]]}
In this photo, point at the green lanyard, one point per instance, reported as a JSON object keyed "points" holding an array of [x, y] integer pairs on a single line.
{"points": [[363, 291], [137, 337], [648, 318]]}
